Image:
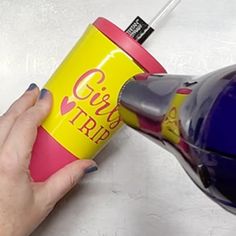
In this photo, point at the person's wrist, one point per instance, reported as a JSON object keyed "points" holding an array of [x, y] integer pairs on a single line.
{"points": [[9, 229], [6, 230]]}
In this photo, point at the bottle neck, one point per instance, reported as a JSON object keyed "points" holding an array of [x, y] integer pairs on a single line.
{"points": [[144, 100]]}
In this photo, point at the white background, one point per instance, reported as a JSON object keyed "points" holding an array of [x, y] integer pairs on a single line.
{"points": [[140, 189]]}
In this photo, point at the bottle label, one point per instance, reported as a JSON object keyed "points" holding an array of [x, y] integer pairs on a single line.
{"points": [[170, 127]]}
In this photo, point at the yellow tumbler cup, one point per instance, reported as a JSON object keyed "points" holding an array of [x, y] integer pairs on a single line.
{"points": [[85, 90]]}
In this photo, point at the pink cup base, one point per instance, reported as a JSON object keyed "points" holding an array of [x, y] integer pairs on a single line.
{"points": [[48, 156]]}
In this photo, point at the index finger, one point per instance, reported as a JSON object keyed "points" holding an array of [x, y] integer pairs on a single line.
{"points": [[23, 133]]}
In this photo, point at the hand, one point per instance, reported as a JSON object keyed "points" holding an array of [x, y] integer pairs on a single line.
{"points": [[24, 204]]}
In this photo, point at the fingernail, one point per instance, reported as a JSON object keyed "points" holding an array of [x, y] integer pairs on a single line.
{"points": [[43, 93], [91, 169], [32, 87]]}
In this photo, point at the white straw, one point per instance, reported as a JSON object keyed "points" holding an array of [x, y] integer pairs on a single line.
{"points": [[165, 11]]}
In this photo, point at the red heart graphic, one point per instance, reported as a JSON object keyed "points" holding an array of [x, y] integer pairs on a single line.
{"points": [[66, 106]]}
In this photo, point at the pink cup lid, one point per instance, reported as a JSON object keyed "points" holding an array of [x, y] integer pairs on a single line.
{"points": [[129, 45]]}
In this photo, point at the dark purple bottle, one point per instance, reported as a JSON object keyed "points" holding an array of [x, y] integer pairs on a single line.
{"points": [[193, 117]]}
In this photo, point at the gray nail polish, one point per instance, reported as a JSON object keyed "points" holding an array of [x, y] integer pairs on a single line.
{"points": [[32, 87], [43, 93], [91, 169]]}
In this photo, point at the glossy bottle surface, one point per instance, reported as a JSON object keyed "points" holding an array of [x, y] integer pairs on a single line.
{"points": [[193, 117]]}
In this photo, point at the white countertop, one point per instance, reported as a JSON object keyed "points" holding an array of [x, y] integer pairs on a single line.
{"points": [[140, 189]]}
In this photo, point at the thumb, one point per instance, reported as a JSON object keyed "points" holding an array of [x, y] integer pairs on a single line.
{"points": [[65, 179]]}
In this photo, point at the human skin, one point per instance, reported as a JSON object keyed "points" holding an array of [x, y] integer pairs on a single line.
{"points": [[24, 204]]}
